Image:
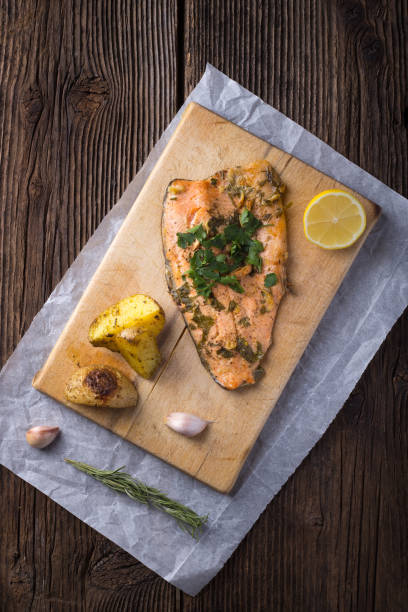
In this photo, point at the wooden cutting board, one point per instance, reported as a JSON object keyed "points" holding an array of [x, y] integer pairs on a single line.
{"points": [[202, 144]]}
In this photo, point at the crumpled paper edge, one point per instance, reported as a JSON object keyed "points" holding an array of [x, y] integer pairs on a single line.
{"points": [[260, 480]]}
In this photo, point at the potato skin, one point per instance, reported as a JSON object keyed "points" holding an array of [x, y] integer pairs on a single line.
{"points": [[138, 310], [101, 385], [140, 350]]}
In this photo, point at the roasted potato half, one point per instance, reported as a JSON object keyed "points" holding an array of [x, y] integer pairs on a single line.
{"points": [[137, 311], [101, 385], [140, 350]]}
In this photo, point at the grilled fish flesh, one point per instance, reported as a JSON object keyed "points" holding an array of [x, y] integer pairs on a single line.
{"points": [[225, 250]]}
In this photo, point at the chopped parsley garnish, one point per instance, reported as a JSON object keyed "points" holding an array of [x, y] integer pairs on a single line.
{"points": [[253, 254], [187, 238], [207, 269], [232, 282], [217, 242], [270, 280], [249, 222]]}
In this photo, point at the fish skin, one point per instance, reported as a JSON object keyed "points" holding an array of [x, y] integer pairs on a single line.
{"points": [[189, 203]]}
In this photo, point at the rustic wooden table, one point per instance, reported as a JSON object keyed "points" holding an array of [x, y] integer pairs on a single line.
{"points": [[86, 89]]}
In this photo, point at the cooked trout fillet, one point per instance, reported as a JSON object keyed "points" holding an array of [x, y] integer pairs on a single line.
{"points": [[229, 297]]}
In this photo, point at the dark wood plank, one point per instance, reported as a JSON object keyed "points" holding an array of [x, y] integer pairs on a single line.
{"points": [[86, 89], [74, 89], [336, 537], [53, 561], [338, 68]]}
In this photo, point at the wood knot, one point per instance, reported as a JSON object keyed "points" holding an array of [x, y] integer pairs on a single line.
{"points": [[353, 12], [36, 189], [401, 378], [372, 49], [88, 94], [315, 520], [32, 105], [115, 569]]}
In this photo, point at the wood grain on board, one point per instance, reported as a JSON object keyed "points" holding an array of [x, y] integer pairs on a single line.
{"points": [[202, 144], [335, 537]]}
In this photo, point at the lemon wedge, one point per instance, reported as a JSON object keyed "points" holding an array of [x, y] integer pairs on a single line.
{"points": [[334, 219]]}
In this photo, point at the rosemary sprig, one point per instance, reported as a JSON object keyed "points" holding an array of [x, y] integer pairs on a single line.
{"points": [[122, 482]]}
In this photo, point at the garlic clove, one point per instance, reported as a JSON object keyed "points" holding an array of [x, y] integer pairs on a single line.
{"points": [[187, 424], [41, 436]]}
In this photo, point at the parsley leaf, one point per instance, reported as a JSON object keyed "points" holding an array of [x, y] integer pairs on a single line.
{"points": [[236, 234], [199, 232], [249, 222], [185, 239], [270, 280], [244, 216], [253, 258], [232, 282], [217, 241]]}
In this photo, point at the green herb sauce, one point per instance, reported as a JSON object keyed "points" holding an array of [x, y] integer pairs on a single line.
{"points": [[245, 350], [216, 303], [231, 306], [203, 322], [182, 295], [244, 322], [225, 353]]}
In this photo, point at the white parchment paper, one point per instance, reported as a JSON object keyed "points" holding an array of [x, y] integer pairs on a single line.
{"points": [[373, 295]]}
